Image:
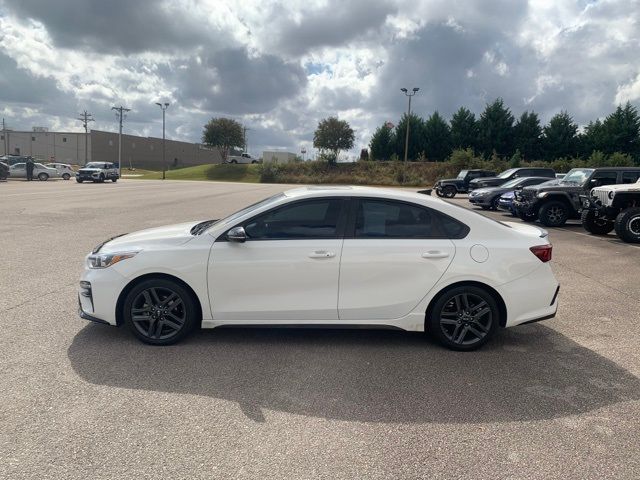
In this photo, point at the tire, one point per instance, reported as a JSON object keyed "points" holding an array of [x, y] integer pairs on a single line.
{"points": [[254, 161], [233, 161], [494, 203], [627, 225], [453, 324], [526, 217], [43, 177], [595, 225], [484, 207], [66, 176], [449, 191], [145, 309], [101, 178], [554, 213], [78, 180], [114, 179], [439, 193]]}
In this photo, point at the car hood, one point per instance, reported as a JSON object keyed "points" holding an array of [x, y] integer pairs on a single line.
{"points": [[563, 187], [170, 235], [87, 170], [508, 194], [628, 187], [449, 180]]}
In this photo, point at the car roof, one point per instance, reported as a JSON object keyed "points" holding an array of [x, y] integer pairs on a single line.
{"points": [[359, 191]]}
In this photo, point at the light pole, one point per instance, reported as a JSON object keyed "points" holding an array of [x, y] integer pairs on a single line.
{"points": [[406, 138], [120, 113], [163, 107]]}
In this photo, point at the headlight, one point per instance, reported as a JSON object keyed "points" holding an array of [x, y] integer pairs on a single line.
{"points": [[104, 260], [543, 194], [610, 195]]}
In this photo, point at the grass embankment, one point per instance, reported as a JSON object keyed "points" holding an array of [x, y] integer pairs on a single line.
{"points": [[222, 173]]}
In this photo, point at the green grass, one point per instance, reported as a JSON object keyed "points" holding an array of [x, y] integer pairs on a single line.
{"points": [[219, 172]]}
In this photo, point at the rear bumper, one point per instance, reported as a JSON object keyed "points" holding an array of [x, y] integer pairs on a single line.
{"points": [[531, 298]]}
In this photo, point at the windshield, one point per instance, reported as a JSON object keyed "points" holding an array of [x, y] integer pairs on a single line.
{"points": [[463, 173], [513, 183], [94, 165], [507, 173], [234, 216], [577, 176]]}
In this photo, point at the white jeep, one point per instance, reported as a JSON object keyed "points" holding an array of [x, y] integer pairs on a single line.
{"points": [[613, 207]]}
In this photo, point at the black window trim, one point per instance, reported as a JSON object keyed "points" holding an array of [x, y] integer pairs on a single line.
{"points": [[340, 226], [353, 211]]}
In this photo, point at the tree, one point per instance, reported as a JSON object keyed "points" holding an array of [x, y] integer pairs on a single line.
{"points": [[224, 133], [416, 145], [437, 138], [593, 139], [382, 144], [560, 137], [527, 134], [464, 129], [621, 131], [333, 135], [495, 130]]}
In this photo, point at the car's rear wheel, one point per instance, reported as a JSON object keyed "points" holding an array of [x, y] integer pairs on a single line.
{"points": [[43, 177], [449, 191], [78, 180], [464, 318], [494, 203], [554, 214], [66, 176], [114, 179], [627, 225], [233, 161], [595, 225], [160, 311]]}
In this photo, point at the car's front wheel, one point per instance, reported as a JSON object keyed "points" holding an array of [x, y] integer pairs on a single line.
{"points": [[449, 191], [464, 318], [595, 225], [628, 225], [554, 214], [160, 311]]}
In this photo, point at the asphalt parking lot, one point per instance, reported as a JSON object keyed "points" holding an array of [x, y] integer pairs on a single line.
{"points": [[558, 399]]}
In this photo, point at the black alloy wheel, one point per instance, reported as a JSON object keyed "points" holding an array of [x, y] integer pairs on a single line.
{"points": [[464, 318], [159, 312], [595, 225], [554, 214]]}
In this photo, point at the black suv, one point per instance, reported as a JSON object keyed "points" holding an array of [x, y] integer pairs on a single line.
{"points": [[510, 175], [553, 205], [450, 186]]}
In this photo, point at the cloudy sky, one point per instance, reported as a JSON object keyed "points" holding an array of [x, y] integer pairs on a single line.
{"points": [[280, 66]]}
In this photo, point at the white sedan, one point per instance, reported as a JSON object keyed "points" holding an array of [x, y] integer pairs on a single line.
{"points": [[326, 256]]}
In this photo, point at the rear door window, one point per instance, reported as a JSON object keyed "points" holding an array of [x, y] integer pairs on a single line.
{"points": [[630, 177]]}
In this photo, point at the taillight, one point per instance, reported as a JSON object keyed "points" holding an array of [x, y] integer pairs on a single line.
{"points": [[543, 252]]}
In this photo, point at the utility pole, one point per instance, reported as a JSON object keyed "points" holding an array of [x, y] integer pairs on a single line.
{"points": [[406, 138], [244, 138], [4, 136], [163, 107], [85, 118], [120, 113]]}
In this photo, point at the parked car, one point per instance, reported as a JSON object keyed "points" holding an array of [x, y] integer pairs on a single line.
{"points": [[13, 159], [354, 256], [244, 158], [510, 174], [554, 204], [98, 172], [505, 203], [487, 198], [42, 173], [64, 170], [4, 171], [450, 186], [613, 207]]}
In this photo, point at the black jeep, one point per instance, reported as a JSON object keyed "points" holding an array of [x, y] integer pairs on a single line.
{"points": [[449, 187], [553, 205], [510, 175]]}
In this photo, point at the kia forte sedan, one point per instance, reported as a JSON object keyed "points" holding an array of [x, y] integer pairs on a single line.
{"points": [[330, 256]]}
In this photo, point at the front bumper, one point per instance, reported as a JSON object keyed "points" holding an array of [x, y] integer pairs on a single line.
{"points": [[105, 285], [480, 201], [87, 176]]}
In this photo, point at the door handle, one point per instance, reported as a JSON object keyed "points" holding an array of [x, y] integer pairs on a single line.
{"points": [[435, 254], [321, 254]]}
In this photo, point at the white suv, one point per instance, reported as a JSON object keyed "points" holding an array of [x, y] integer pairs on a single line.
{"points": [[613, 207]]}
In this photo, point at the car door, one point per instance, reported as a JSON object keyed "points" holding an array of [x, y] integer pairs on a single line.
{"points": [[19, 170], [393, 254], [286, 270]]}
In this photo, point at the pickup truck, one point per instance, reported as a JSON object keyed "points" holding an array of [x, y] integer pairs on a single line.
{"points": [[244, 158]]}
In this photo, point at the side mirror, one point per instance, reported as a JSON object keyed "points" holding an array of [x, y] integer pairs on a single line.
{"points": [[237, 234]]}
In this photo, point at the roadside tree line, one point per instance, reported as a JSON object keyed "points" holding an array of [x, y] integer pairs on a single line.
{"points": [[497, 133]]}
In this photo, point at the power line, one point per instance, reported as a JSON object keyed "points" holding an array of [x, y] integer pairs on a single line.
{"points": [[85, 118], [120, 115]]}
